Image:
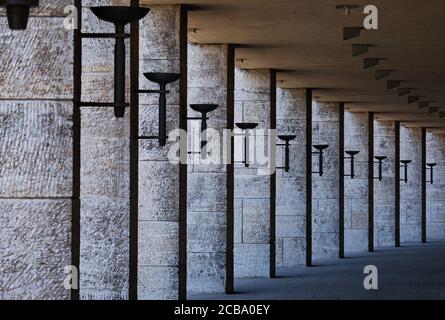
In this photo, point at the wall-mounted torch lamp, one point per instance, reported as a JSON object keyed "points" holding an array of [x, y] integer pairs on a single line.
{"points": [[430, 166], [380, 163], [18, 12], [204, 109], [119, 16], [246, 127], [287, 139], [351, 157], [162, 79], [320, 151], [404, 165]]}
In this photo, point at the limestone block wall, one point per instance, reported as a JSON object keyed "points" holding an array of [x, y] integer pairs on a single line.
{"points": [[291, 186], [104, 227], [36, 108], [207, 183], [435, 228], [384, 191], [411, 192], [159, 182], [325, 190], [252, 191], [356, 190]]}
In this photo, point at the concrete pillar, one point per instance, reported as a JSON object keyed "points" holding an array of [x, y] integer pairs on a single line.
{"points": [[104, 231], [252, 191], [291, 192], [325, 190], [435, 227], [384, 191], [162, 185], [411, 192], [210, 80], [356, 190], [36, 108]]}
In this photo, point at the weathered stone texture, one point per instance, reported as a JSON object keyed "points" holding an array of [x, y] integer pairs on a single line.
{"points": [[325, 190], [291, 186], [436, 191], [356, 190], [384, 191], [207, 185], [35, 149], [158, 271], [158, 200], [104, 170], [411, 192], [252, 260], [36, 69], [252, 191], [157, 283], [35, 246], [104, 249], [38, 63]]}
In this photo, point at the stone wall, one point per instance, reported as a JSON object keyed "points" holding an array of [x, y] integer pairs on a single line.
{"points": [[384, 191], [411, 192], [159, 183], [291, 186], [325, 190], [252, 191], [36, 67], [207, 184], [104, 238], [356, 190], [435, 228]]}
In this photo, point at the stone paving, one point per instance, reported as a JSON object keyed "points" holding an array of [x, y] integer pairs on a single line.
{"points": [[414, 271]]}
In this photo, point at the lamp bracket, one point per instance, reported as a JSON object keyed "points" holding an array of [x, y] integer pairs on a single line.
{"points": [[102, 104], [154, 91], [105, 35]]}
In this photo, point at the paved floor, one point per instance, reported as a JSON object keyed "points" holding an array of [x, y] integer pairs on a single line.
{"points": [[411, 272]]}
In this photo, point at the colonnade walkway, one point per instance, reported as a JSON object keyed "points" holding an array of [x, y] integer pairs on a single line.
{"points": [[414, 271]]}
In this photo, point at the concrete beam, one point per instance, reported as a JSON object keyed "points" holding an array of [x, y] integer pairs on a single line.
{"points": [[405, 117], [426, 124]]}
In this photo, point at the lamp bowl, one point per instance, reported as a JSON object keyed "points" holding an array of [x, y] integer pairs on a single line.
{"points": [[321, 147], [204, 108], [162, 78], [247, 126], [120, 14], [380, 158], [286, 138], [405, 161], [352, 153], [431, 164]]}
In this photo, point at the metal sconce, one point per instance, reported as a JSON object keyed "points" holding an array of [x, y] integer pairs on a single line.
{"points": [[351, 157], [246, 127], [405, 167], [204, 109], [18, 12], [380, 163], [431, 168], [162, 79], [286, 145], [119, 16], [320, 148]]}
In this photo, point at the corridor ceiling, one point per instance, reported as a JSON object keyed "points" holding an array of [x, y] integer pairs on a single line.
{"points": [[303, 39]]}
